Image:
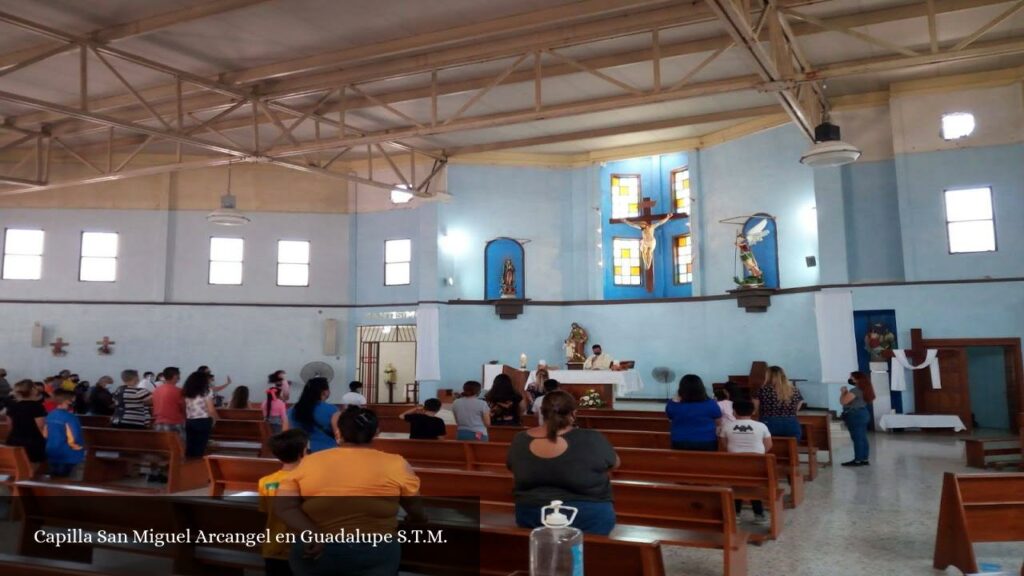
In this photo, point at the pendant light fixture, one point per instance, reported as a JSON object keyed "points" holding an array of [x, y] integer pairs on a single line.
{"points": [[227, 214]]}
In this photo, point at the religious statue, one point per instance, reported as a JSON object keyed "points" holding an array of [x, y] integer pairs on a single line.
{"points": [[744, 242], [647, 240], [576, 343], [879, 342], [58, 347], [508, 279]]}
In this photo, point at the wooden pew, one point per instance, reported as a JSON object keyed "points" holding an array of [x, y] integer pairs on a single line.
{"points": [[636, 503], [992, 452], [14, 466], [502, 550], [692, 516], [29, 566], [237, 473], [645, 424], [228, 436], [977, 508], [817, 434], [5, 429], [239, 414], [109, 453], [749, 475], [656, 414], [94, 421]]}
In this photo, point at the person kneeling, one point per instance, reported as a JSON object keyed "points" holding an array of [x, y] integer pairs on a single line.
{"points": [[560, 462]]}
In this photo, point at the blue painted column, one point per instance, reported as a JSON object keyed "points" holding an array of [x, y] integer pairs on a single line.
{"points": [[831, 213]]}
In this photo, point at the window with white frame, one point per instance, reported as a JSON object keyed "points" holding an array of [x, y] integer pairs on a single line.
{"points": [[626, 269], [23, 254], [970, 226], [292, 263], [625, 195], [681, 190], [226, 261], [683, 259], [99, 257], [397, 262], [957, 125]]}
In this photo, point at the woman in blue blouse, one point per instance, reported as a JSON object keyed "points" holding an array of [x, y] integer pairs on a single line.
{"points": [[693, 415], [315, 416]]}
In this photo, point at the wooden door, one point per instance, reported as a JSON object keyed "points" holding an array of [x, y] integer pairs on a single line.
{"points": [[954, 397]]}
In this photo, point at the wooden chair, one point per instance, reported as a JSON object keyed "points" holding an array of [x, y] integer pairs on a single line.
{"points": [[110, 452], [977, 508]]}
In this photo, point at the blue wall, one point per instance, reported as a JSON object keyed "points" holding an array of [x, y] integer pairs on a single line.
{"points": [[874, 242], [655, 183], [759, 173], [923, 178]]}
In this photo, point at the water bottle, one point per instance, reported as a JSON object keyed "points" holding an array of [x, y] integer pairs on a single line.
{"points": [[556, 549]]}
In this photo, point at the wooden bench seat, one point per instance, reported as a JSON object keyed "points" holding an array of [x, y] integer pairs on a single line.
{"points": [[14, 466], [693, 516], [110, 453], [240, 436], [502, 550], [977, 508], [993, 452]]}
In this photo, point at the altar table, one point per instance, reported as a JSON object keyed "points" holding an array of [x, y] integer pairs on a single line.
{"points": [[890, 421], [608, 384]]}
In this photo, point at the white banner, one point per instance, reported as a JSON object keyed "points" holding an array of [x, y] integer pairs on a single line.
{"points": [[428, 347], [837, 346]]}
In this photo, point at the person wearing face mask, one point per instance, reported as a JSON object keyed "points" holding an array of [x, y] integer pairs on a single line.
{"points": [[855, 399]]}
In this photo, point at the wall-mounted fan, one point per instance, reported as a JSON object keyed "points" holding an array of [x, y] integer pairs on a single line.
{"points": [[316, 370]]}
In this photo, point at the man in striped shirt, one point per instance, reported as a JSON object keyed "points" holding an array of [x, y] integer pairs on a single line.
{"points": [[134, 403]]}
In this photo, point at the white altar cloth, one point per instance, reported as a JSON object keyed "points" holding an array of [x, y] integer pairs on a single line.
{"points": [[890, 421], [625, 381]]}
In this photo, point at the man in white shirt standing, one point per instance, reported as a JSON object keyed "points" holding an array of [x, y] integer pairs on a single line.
{"points": [[147, 382], [354, 396], [598, 360]]}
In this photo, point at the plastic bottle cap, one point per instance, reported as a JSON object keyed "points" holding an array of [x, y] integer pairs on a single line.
{"points": [[556, 520]]}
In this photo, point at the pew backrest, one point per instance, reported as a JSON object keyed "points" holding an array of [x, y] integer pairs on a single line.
{"points": [[239, 414], [977, 508], [14, 465], [237, 472]]}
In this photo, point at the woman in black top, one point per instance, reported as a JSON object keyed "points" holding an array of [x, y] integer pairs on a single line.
{"points": [[559, 462], [101, 400], [28, 420], [506, 404]]}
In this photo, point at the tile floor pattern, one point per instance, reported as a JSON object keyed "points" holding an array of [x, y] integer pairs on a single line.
{"points": [[878, 521]]}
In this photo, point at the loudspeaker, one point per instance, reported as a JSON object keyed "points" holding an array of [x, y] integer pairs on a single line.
{"points": [[37, 335], [811, 261], [330, 337]]}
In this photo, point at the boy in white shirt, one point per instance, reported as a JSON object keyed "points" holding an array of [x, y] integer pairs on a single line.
{"points": [[354, 396], [747, 436]]}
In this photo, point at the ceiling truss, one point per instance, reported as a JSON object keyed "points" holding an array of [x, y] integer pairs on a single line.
{"points": [[222, 116]]}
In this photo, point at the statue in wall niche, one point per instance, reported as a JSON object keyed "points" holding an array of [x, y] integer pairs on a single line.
{"points": [[744, 242], [576, 343], [508, 279]]}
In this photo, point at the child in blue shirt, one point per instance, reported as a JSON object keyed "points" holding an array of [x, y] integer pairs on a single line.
{"points": [[64, 443]]}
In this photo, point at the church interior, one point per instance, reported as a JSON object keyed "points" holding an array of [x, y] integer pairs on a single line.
{"points": [[414, 194]]}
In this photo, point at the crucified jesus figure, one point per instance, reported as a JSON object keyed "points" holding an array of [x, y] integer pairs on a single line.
{"points": [[647, 240]]}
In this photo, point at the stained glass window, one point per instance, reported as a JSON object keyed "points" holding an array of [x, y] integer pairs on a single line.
{"points": [[625, 195], [681, 190], [683, 257], [626, 262]]}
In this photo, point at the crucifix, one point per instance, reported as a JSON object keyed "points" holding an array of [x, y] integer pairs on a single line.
{"points": [[105, 346], [58, 347], [647, 223]]}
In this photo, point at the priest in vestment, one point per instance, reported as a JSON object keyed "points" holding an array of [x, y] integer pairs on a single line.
{"points": [[598, 360]]}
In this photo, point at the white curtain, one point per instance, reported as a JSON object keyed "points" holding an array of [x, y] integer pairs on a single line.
{"points": [[428, 348], [901, 364], [837, 345]]}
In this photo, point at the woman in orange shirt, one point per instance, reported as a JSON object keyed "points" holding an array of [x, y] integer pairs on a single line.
{"points": [[373, 484]]}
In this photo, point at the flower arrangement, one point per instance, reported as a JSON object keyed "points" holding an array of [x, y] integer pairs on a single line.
{"points": [[591, 399]]}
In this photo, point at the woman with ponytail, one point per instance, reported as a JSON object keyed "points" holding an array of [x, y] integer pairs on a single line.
{"points": [[315, 416], [558, 461]]}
